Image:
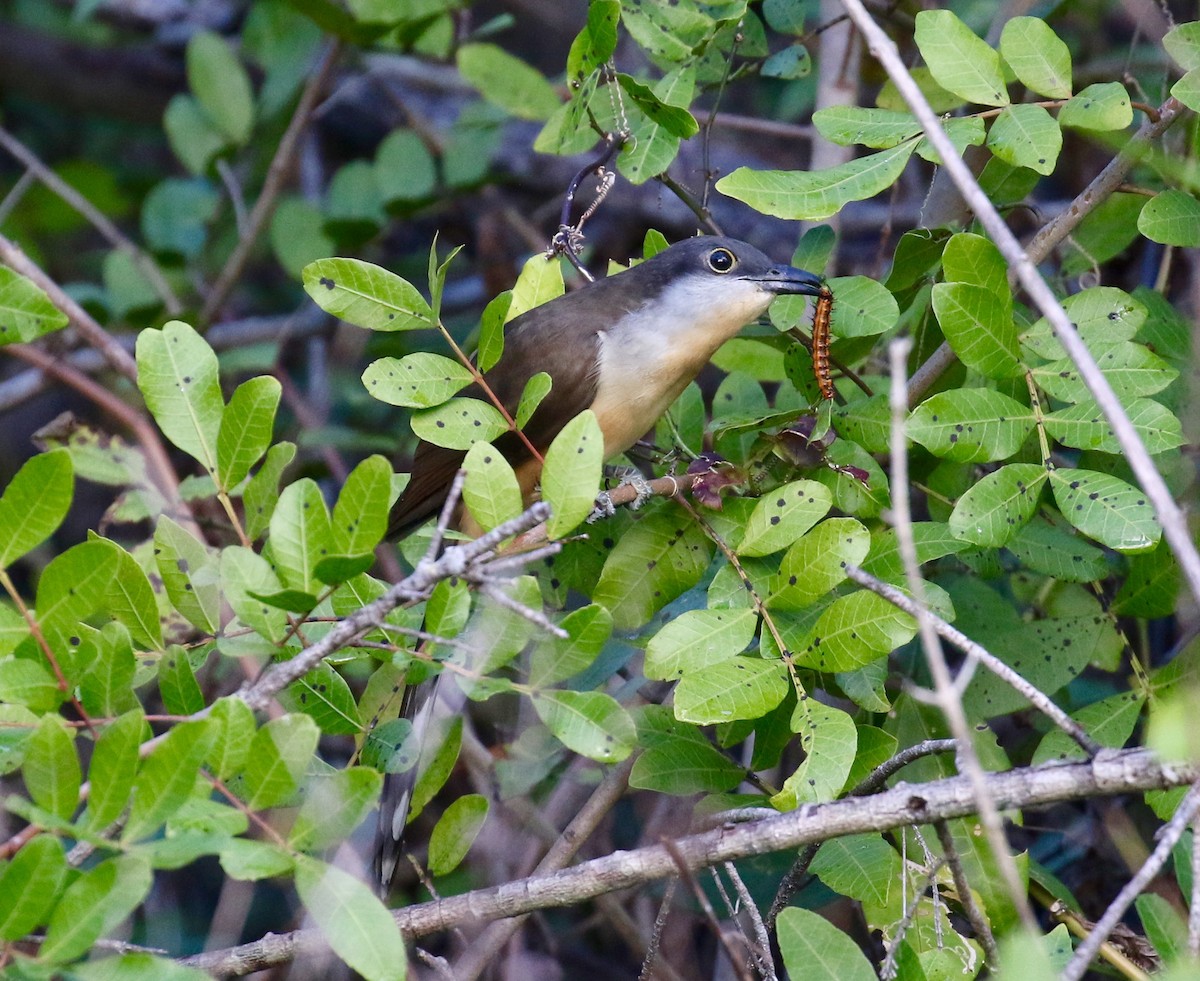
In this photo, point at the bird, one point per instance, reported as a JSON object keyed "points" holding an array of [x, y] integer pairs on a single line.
{"points": [[625, 347]]}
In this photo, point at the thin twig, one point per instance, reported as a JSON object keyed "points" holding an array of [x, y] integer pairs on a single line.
{"points": [[268, 197], [948, 700], [763, 941], [887, 970], [723, 938], [966, 899], [1171, 832], [660, 922], [1040, 700]]}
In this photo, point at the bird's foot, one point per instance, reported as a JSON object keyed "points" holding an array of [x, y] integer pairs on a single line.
{"points": [[631, 477]]}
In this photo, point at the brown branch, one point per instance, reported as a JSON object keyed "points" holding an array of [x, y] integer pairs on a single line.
{"points": [[1111, 773], [264, 207]]}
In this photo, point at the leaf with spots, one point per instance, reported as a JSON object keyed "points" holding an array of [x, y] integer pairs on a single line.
{"points": [[189, 575], [829, 739], [459, 423], [572, 471], [26, 313], [324, 696], [1102, 106], [862, 307], [246, 429], [1106, 509], [540, 281], [1171, 217], [262, 490], [1053, 548], [959, 60], [659, 557], [177, 684], [971, 425], [360, 514], [416, 381], [678, 758], [855, 630], [72, 588], [366, 295], [1109, 721], [301, 535], [738, 688], [1038, 57], [554, 659], [816, 563], [591, 723], [244, 575], [131, 600], [491, 492], [167, 778], [1084, 427], [783, 515], [1131, 369], [1102, 315], [279, 754], [994, 510], [179, 378], [698, 639], [455, 832]]}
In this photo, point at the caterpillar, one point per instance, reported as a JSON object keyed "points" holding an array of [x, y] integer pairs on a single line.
{"points": [[822, 312]]}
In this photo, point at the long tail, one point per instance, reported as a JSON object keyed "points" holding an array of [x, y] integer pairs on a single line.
{"points": [[417, 706]]}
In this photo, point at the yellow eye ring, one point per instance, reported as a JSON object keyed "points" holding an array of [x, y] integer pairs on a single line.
{"points": [[721, 260]]}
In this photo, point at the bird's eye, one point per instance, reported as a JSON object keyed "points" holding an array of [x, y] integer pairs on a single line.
{"points": [[721, 260]]}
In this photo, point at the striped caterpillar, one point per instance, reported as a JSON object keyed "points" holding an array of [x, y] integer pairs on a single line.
{"points": [[822, 312]]}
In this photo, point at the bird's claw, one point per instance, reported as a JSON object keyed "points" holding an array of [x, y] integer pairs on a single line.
{"points": [[630, 477]]}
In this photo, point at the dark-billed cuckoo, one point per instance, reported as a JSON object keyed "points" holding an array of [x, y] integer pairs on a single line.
{"points": [[624, 347]]}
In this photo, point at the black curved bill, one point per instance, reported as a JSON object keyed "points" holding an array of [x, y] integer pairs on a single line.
{"points": [[789, 279]]}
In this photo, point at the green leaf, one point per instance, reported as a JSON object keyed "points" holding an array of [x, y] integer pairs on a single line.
{"points": [[232, 728], [455, 832], [279, 755], [554, 659], [1109, 721], [788, 63], [1037, 56], [106, 687], [189, 575], [1171, 217], [73, 587], [816, 563], [678, 758], [540, 281], [51, 770], [358, 927], [178, 377], [404, 168], [970, 258], [113, 768], [959, 60], [459, 423], [660, 557], [250, 861], [136, 967], [1084, 426], [978, 328], [220, 85], [176, 215], [246, 429], [861, 307], [862, 867], [739, 688], [535, 391], [591, 723], [972, 425], [1151, 587], [324, 696], [1131, 369], [1054, 549], [28, 683], [301, 534], [416, 381], [26, 313], [675, 120], [262, 490], [1187, 89], [177, 683], [1106, 509], [697, 639], [879, 129], [367, 295], [334, 805], [491, 492], [993, 510], [783, 515], [360, 514], [1183, 45], [29, 885], [1103, 316], [193, 137], [594, 45], [491, 331], [816, 195], [436, 772], [94, 904], [812, 947], [1164, 927], [1103, 106], [166, 778], [131, 601], [855, 630], [1026, 136], [571, 474], [829, 739], [34, 504], [507, 81]]}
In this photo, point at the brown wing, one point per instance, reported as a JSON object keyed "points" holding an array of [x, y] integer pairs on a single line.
{"points": [[559, 338]]}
